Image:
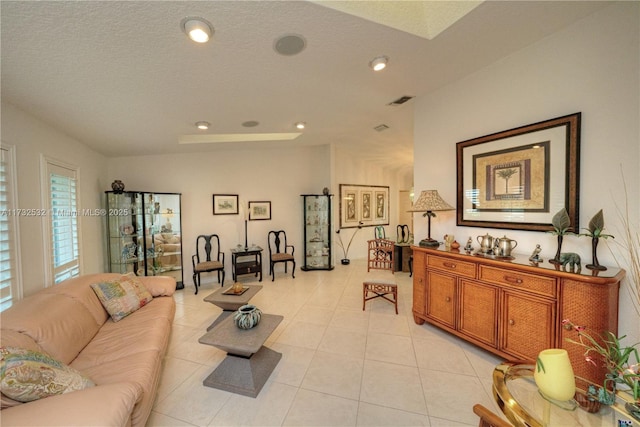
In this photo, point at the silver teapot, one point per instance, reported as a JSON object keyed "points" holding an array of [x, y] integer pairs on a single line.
{"points": [[504, 246], [486, 243]]}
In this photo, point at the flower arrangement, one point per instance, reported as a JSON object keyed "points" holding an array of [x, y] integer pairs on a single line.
{"points": [[615, 357]]}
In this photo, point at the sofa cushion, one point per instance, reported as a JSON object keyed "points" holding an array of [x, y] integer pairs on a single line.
{"points": [[159, 285], [103, 405], [27, 375], [142, 368], [62, 326], [144, 330], [122, 296]]}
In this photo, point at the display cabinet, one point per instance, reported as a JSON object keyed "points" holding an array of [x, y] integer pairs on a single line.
{"points": [[144, 234], [317, 232]]}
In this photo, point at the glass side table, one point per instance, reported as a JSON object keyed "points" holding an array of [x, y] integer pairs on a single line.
{"points": [[517, 395]]}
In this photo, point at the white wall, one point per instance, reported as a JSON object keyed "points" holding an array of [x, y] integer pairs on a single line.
{"points": [[276, 175], [591, 67], [33, 138], [350, 170]]}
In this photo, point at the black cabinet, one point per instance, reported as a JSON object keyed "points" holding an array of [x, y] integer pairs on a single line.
{"points": [[246, 261]]}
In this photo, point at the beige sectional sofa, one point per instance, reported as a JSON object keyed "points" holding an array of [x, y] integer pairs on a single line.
{"points": [[124, 358]]}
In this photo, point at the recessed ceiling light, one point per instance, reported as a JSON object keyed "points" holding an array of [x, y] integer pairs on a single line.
{"points": [[379, 63], [197, 29], [250, 123], [290, 44], [301, 125], [202, 125]]}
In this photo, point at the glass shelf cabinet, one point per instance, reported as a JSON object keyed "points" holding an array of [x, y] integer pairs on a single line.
{"points": [[317, 232], [144, 234]]}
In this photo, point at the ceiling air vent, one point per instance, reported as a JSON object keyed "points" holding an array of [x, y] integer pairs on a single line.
{"points": [[381, 127], [400, 100]]}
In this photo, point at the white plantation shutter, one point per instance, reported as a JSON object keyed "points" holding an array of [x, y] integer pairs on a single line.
{"points": [[10, 288], [63, 215]]}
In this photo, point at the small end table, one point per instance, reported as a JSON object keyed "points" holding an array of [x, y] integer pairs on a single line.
{"points": [[252, 262], [230, 303], [249, 363]]}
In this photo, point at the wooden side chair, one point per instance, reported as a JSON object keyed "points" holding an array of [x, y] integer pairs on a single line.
{"points": [[280, 251], [379, 233], [380, 282], [208, 258], [488, 418]]}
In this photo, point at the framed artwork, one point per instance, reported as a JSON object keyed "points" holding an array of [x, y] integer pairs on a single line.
{"points": [[225, 204], [519, 178], [364, 205], [259, 211]]}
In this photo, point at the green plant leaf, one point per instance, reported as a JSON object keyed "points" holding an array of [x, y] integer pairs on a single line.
{"points": [[561, 222], [597, 223]]}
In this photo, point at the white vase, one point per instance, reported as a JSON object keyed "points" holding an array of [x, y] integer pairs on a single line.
{"points": [[554, 375]]}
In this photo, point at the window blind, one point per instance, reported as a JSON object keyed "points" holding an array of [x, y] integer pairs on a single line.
{"points": [[7, 243], [64, 224]]}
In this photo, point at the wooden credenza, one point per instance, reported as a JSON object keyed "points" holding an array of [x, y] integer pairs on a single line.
{"points": [[513, 308]]}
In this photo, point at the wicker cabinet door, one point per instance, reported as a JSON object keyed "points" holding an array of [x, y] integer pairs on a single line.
{"points": [[441, 298], [478, 308], [528, 325], [419, 283], [591, 306]]}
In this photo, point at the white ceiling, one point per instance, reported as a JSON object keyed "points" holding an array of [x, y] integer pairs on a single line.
{"points": [[121, 77]]}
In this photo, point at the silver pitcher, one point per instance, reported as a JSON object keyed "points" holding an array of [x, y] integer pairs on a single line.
{"points": [[504, 246], [486, 243]]}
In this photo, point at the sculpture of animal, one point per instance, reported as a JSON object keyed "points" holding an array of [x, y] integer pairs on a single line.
{"points": [[572, 259]]}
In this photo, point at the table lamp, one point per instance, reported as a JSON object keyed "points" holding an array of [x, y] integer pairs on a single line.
{"points": [[429, 202]]}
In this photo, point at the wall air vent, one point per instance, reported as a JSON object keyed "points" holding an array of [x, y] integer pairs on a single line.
{"points": [[381, 127], [400, 100]]}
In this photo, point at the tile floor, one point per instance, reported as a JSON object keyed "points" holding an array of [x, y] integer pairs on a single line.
{"points": [[340, 366]]}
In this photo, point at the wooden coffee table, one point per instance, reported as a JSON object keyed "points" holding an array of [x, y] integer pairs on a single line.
{"points": [[249, 363]]}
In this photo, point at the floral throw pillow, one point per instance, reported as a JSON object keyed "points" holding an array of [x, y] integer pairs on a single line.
{"points": [[27, 375], [123, 296]]}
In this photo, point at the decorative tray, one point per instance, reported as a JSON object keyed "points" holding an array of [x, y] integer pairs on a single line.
{"points": [[230, 291]]}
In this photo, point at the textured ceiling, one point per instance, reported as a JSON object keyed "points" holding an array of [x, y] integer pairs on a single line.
{"points": [[122, 77]]}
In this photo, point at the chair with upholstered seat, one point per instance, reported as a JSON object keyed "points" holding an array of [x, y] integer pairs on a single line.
{"points": [[380, 282], [280, 251], [208, 258]]}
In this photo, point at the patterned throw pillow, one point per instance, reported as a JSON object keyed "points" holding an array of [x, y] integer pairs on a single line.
{"points": [[123, 296], [27, 375]]}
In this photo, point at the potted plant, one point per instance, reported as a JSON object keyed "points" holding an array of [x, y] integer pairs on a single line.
{"points": [[616, 358], [345, 260]]}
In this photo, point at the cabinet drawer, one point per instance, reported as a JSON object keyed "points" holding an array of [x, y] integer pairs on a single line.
{"points": [[461, 268], [541, 285]]}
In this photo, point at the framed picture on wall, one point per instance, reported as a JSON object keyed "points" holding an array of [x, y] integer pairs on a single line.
{"points": [[364, 205], [225, 204], [519, 178], [259, 211]]}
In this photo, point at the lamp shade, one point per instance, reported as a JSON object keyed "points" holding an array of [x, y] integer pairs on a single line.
{"points": [[430, 200]]}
